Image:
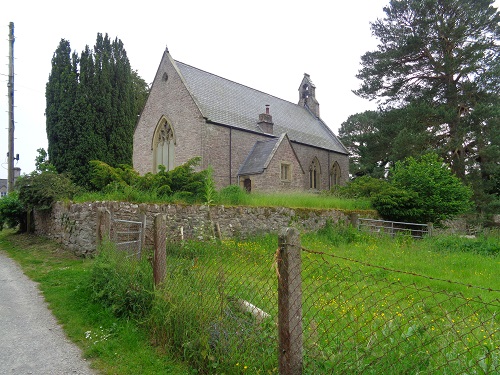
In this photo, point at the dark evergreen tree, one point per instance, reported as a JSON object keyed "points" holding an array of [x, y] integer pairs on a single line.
{"points": [[141, 91], [439, 52], [436, 75], [369, 152], [61, 92], [92, 107]]}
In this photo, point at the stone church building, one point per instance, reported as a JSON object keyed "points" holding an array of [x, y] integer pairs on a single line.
{"points": [[250, 138]]}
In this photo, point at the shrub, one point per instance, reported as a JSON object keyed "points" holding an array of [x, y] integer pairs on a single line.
{"points": [[363, 187], [398, 205], [40, 190], [182, 181], [422, 190], [12, 212], [103, 175]]}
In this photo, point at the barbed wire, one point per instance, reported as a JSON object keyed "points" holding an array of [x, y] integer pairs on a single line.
{"points": [[322, 254]]}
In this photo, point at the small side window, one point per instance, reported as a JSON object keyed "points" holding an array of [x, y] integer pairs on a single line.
{"points": [[286, 172]]}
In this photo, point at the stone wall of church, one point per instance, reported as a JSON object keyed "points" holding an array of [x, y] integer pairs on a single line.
{"points": [[170, 98], [217, 154], [270, 180], [75, 225], [225, 150], [326, 159]]}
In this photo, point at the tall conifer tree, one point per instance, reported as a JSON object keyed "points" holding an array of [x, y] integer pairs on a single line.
{"points": [[92, 107], [438, 64], [61, 92]]}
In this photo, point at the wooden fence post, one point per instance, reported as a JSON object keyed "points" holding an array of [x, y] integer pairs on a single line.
{"points": [[289, 302], [354, 219], [160, 249], [103, 225]]}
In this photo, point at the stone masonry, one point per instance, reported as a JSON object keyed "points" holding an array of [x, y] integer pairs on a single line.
{"points": [[75, 225]]}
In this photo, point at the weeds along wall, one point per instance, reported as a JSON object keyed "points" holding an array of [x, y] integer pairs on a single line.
{"points": [[75, 225]]}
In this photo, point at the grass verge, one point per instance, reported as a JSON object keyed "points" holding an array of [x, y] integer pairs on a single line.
{"points": [[114, 346]]}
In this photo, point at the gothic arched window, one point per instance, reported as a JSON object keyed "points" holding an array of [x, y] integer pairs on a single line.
{"points": [[163, 145], [314, 174], [335, 175]]}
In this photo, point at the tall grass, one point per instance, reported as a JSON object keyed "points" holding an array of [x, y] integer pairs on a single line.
{"points": [[196, 314], [130, 194], [232, 196]]}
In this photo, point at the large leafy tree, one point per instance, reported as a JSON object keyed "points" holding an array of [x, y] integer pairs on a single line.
{"points": [[92, 105], [440, 59]]}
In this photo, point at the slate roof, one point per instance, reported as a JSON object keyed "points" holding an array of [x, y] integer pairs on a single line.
{"points": [[259, 157], [229, 103]]}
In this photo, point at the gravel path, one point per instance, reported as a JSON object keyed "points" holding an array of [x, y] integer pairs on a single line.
{"points": [[31, 341]]}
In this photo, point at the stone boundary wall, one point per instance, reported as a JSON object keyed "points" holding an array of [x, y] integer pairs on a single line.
{"points": [[75, 225]]}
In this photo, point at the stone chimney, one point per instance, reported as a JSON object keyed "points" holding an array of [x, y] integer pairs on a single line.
{"points": [[307, 95], [266, 121]]}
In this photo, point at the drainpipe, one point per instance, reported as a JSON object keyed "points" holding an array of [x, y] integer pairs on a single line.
{"points": [[329, 175], [230, 152]]}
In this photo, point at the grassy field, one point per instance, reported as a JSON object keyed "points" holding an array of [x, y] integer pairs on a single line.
{"points": [[402, 306], [370, 304]]}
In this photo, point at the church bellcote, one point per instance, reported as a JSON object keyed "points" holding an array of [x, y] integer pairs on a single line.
{"points": [[307, 95]]}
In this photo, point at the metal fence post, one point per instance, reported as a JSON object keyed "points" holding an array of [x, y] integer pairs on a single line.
{"points": [[142, 240], [289, 303], [160, 249], [430, 229]]}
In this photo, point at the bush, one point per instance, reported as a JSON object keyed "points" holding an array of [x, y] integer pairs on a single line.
{"points": [[422, 190], [182, 181], [363, 187], [12, 212], [40, 190], [104, 175], [398, 205]]}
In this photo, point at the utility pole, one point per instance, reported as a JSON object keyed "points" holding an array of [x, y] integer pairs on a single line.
{"points": [[10, 86]]}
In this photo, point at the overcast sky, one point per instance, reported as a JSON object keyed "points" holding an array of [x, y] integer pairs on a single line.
{"points": [[267, 45]]}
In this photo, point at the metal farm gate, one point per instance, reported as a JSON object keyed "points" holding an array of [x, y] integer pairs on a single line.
{"points": [[395, 227], [128, 235]]}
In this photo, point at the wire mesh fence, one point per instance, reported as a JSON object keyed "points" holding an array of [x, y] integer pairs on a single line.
{"points": [[246, 307], [365, 319], [217, 304]]}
